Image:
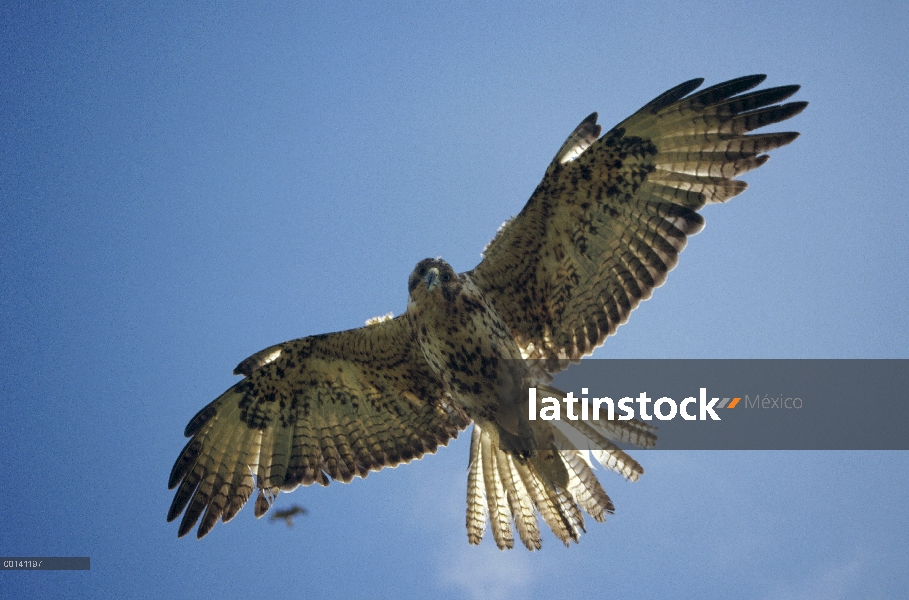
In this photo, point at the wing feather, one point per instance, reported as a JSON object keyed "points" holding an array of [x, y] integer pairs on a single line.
{"points": [[322, 408], [607, 223]]}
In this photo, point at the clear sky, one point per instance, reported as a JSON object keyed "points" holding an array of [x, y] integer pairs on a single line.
{"points": [[181, 187]]}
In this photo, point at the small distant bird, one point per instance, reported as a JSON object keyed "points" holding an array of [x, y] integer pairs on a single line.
{"points": [[599, 234], [288, 514]]}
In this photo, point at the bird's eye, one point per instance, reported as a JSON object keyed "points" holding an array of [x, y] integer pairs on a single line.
{"points": [[446, 277], [421, 271]]}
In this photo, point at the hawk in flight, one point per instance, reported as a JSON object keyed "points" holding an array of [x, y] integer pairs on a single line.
{"points": [[599, 233], [288, 514]]}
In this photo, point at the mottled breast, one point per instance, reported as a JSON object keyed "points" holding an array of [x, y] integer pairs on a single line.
{"points": [[463, 339]]}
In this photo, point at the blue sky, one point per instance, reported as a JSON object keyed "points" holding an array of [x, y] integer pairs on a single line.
{"points": [[181, 187]]}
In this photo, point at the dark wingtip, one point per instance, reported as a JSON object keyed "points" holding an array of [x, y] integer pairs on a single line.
{"points": [[187, 524], [776, 114], [746, 82], [200, 419], [205, 528], [174, 512], [674, 95], [794, 108], [187, 459], [184, 529], [693, 84], [791, 89], [785, 137]]}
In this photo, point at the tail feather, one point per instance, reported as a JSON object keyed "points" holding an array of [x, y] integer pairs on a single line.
{"points": [[476, 502], [607, 454], [548, 506], [499, 511], [525, 519], [585, 487], [558, 483]]}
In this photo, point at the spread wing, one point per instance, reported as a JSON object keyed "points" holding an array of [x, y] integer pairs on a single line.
{"points": [[329, 406], [611, 215]]}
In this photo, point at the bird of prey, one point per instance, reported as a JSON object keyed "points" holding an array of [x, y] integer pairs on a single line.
{"points": [[599, 233], [288, 514]]}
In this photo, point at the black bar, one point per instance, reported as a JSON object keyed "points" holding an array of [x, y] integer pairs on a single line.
{"points": [[45, 563], [802, 404]]}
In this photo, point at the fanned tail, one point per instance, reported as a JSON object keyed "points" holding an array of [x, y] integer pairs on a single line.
{"points": [[558, 482]]}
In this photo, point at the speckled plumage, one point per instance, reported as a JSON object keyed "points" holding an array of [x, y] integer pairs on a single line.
{"points": [[600, 232]]}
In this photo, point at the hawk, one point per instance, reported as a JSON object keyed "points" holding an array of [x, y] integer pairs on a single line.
{"points": [[599, 233], [288, 514]]}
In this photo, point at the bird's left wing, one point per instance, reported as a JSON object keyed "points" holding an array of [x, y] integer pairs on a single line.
{"points": [[612, 213], [324, 407]]}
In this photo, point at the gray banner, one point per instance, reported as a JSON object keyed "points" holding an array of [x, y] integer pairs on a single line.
{"points": [[45, 563], [782, 404]]}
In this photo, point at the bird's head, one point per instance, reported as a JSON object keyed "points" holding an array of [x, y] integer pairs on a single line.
{"points": [[432, 276]]}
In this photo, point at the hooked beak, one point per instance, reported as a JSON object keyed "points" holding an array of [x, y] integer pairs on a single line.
{"points": [[432, 278]]}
